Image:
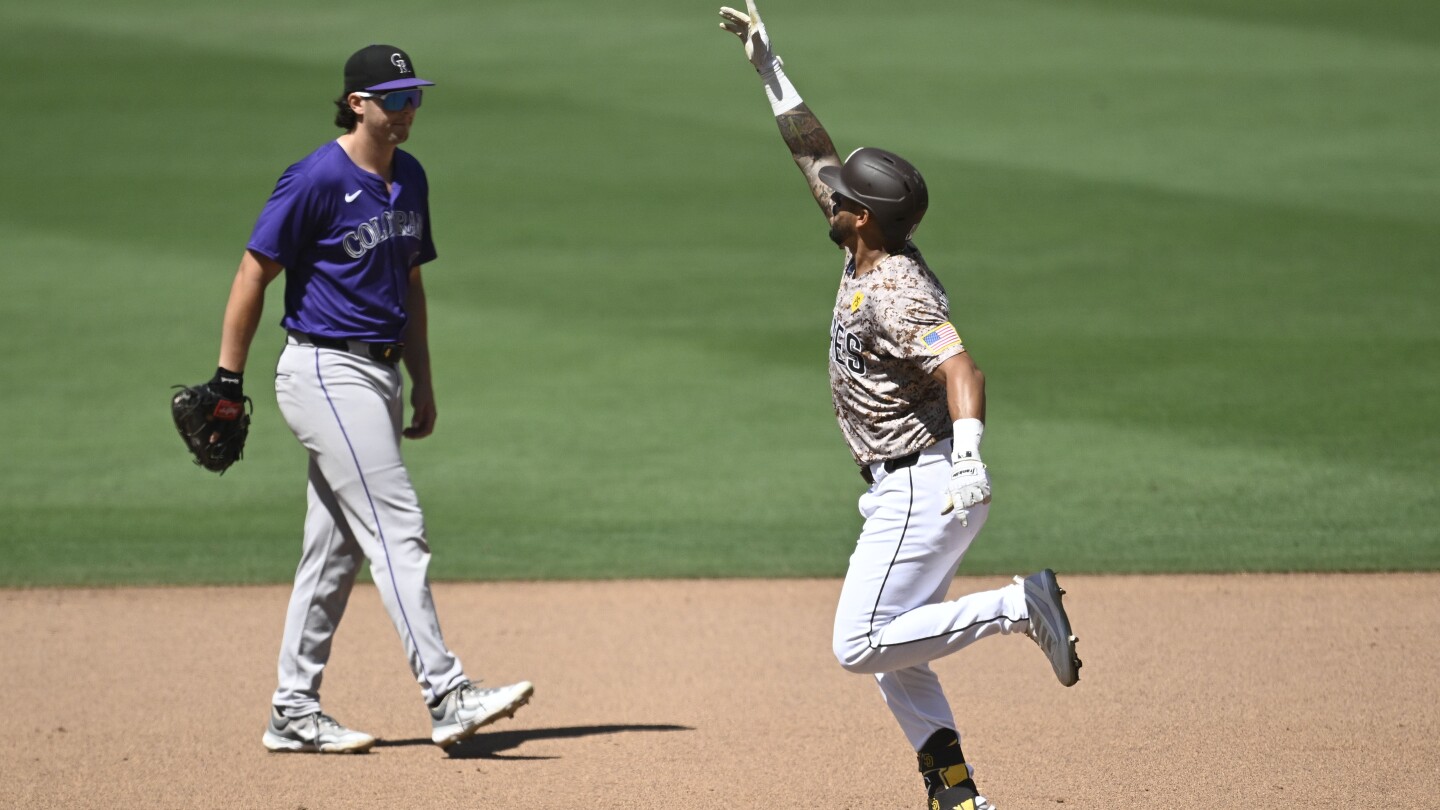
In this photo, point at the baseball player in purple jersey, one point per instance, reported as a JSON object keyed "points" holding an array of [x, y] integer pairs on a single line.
{"points": [[349, 225], [911, 405]]}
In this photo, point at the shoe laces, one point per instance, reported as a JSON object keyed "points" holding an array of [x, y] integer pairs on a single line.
{"points": [[327, 724], [465, 696]]}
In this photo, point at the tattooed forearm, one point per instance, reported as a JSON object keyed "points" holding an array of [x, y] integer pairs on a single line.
{"points": [[811, 147], [804, 134]]}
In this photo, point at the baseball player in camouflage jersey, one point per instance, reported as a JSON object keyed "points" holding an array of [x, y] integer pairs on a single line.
{"points": [[349, 225], [911, 404]]}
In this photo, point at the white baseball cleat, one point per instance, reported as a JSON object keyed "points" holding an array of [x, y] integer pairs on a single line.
{"points": [[468, 708], [313, 734]]}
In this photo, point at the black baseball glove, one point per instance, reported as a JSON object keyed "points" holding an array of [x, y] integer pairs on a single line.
{"points": [[213, 419]]}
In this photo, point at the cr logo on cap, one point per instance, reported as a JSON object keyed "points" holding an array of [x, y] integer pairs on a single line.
{"points": [[399, 61]]}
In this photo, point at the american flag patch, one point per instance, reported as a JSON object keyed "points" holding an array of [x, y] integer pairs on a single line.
{"points": [[940, 338]]}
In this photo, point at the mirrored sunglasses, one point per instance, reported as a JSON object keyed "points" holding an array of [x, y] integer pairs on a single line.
{"points": [[395, 100]]}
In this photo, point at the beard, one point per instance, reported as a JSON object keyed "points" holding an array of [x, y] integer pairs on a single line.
{"points": [[840, 234]]}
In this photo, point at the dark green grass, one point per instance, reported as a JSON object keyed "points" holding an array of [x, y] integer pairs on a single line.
{"points": [[1193, 247]]}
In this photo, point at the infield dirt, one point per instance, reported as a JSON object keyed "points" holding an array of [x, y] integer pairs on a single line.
{"points": [[1271, 691]]}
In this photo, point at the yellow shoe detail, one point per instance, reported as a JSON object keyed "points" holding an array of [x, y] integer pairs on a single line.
{"points": [[955, 774]]}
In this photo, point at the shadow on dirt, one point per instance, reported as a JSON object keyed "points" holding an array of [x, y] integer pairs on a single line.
{"points": [[491, 746]]}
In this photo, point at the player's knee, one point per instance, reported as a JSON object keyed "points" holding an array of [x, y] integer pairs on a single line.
{"points": [[855, 655]]}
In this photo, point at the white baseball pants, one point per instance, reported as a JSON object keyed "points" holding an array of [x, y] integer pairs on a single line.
{"points": [[892, 619], [346, 410]]}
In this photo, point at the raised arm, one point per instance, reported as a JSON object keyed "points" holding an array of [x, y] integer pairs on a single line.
{"points": [[809, 143]]}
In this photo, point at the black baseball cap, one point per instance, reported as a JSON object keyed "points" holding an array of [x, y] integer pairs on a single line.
{"points": [[380, 68]]}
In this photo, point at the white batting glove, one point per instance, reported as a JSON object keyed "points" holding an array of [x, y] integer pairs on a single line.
{"points": [[778, 89], [751, 31], [969, 483]]}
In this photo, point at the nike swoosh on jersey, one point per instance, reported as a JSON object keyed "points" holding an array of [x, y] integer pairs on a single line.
{"points": [[349, 198]]}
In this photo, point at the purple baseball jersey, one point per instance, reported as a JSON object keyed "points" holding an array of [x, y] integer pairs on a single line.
{"points": [[347, 244]]}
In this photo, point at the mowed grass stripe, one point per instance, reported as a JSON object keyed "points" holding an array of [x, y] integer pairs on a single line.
{"points": [[1166, 236]]}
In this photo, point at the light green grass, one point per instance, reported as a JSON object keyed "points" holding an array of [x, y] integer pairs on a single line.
{"points": [[1193, 246]]}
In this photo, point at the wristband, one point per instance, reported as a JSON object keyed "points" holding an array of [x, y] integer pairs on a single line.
{"points": [[228, 384], [968, 433], [782, 94]]}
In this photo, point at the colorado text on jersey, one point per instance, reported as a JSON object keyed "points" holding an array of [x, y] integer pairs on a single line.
{"points": [[378, 229]]}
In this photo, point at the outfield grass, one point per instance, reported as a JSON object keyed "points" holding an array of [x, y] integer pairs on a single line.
{"points": [[1193, 245]]}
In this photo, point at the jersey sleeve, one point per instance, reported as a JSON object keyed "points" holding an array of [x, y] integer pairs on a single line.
{"points": [[427, 239], [426, 252], [914, 323], [284, 225]]}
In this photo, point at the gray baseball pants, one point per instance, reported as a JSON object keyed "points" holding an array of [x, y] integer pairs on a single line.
{"points": [[346, 410]]}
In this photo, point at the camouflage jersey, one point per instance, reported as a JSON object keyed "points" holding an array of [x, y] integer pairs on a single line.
{"points": [[891, 329]]}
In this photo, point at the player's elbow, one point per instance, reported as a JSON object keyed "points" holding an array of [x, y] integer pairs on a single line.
{"points": [[969, 375]]}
